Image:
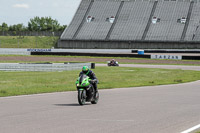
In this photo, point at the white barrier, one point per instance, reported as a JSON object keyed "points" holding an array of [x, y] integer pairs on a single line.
{"points": [[42, 67], [13, 51], [24, 51]]}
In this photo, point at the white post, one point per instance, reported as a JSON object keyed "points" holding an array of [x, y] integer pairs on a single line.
{"points": [[18, 43]]}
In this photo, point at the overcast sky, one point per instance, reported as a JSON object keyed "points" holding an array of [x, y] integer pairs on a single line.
{"points": [[20, 11]]}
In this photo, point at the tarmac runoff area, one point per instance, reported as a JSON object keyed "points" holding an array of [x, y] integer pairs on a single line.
{"points": [[154, 109], [196, 68]]}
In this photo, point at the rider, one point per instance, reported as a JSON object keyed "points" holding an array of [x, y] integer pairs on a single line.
{"points": [[112, 61], [91, 75]]}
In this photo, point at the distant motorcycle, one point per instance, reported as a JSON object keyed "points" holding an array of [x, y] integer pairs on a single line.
{"points": [[86, 92], [110, 63]]}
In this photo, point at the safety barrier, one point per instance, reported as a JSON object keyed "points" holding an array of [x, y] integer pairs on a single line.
{"points": [[13, 51], [42, 67]]}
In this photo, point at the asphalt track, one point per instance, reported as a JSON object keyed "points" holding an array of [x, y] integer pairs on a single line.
{"points": [[196, 68], [155, 109]]}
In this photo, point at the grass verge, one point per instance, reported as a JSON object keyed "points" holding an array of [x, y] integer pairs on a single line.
{"points": [[28, 41], [24, 83], [122, 60]]}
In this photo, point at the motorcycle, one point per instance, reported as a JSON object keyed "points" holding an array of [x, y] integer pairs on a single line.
{"points": [[86, 92], [113, 64]]}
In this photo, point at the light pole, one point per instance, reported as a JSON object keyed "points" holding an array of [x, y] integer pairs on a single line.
{"points": [[38, 29], [52, 28], [18, 42], [52, 33], [3, 29]]}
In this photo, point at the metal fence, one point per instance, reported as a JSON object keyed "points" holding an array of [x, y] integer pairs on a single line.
{"points": [[42, 67], [30, 33]]}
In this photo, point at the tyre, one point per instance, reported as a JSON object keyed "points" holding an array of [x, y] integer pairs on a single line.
{"points": [[81, 97], [109, 64], [96, 99]]}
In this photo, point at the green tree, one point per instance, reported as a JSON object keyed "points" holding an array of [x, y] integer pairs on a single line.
{"points": [[17, 27], [4, 27], [34, 24], [62, 28], [43, 24]]}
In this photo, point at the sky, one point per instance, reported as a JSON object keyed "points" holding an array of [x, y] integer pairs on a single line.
{"points": [[21, 11]]}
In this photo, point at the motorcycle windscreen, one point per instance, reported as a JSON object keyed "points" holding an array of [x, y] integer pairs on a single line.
{"points": [[82, 77]]}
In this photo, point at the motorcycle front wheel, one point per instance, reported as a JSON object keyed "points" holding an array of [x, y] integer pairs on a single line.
{"points": [[81, 97]]}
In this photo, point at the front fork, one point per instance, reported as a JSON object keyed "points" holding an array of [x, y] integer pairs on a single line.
{"points": [[83, 92]]}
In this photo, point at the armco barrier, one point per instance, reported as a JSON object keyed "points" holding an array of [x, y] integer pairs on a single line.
{"points": [[90, 54], [169, 51], [42, 67], [184, 57]]}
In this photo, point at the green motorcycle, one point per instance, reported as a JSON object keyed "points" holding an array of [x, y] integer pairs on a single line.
{"points": [[86, 92]]}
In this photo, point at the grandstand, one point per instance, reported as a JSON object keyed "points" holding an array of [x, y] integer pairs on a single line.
{"points": [[147, 24]]}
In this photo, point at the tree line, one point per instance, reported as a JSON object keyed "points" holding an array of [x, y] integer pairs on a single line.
{"points": [[35, 24]]}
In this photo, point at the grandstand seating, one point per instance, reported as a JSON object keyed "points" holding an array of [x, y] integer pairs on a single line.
{"points": [[79, 16], [168, 28], [133, 21], [98, 29], [193, 32]]}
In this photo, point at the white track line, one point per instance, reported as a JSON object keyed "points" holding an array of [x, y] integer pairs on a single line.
{"points": [[107, 120], [191, 129]]}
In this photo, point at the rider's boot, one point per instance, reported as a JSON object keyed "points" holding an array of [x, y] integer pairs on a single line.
{"points": [[95, 89]]}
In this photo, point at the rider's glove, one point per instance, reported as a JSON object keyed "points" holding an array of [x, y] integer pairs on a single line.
{"points": [[91, 81]]}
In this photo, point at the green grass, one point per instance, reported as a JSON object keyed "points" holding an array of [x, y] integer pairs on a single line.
{"points": [[183, 62], [27, 41], [24, 83]]}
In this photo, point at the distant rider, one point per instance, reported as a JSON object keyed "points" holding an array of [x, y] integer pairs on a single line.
{"points": [[112, 62], [91, 75]]}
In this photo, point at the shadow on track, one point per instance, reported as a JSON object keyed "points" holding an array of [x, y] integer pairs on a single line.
{"points": [[73, 104]]}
